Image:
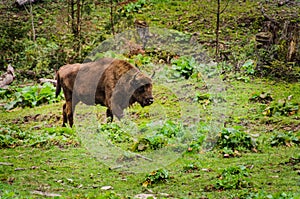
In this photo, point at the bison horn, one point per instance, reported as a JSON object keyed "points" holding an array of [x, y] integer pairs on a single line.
{"points": [[153, 74], [134, 77]]}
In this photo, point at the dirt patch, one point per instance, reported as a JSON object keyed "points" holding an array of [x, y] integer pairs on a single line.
{"points": [[52, 118]]}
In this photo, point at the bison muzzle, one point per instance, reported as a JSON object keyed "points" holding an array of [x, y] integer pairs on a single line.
{"points": [[109, 82]]}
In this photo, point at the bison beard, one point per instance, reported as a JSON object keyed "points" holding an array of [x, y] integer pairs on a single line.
{"points": [[109, 82]]}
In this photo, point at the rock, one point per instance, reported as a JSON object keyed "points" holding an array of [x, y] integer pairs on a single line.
{"points": [[107, 188], [144, 196]]}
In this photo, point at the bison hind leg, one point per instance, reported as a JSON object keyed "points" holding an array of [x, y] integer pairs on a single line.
{"points": [[65, 118], [109, 115]]}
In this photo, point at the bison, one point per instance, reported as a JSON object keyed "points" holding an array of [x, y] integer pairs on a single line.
{"points": [[113, 83]]}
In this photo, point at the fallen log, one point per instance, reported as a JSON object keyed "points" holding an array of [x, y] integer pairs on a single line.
{"points": [[44, 80], [7, 77]]}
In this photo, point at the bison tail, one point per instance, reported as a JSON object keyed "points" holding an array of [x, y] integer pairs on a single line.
{"points": [[58, 86]]}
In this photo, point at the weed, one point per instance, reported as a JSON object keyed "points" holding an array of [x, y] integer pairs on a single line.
{"points": [[263, 97], [164, 134], [114, 133], [133, 7], [160, 175], [31, 96], [171, 129], [203, 98], [151, 142], [281, 108], [249, 67], [183, 67], [140, 60], [199, 138], [195, 145], [11, 137], [232, 140], [190, 168], [264, 194], [284, 139], [235, 177]]}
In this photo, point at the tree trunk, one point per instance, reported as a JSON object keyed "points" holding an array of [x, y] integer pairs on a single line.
{"points": [[112, 17], [217, 31]]}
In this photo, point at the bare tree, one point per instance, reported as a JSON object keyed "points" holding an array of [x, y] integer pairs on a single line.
{"points": [[217, 32], [75, 15], [112, 7], [30, 12]]}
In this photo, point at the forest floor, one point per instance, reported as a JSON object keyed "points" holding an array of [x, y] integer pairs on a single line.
{"points": [[62, 161]]}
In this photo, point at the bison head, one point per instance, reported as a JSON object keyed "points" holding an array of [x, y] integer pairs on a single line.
{"points": [[142, 86]]}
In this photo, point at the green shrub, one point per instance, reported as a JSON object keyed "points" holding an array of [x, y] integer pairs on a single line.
{"points": [[235, 177], [261, 97], [153, 142], [190, 168], [265, 195], [171, 129], [232, 140], [281, 108], [31, 96], [249, 67], [285, 139], [183, 67], [168, 132], [133, 7], [11, 137], [160, 175], [114, 133]]}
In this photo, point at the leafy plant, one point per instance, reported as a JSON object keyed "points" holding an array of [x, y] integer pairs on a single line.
{"points": [[183, 66], [153, 142], [203, 98], [232, 140], [140, 60], [190, 168], [235, 177], [196, 143], [133, 7], [249, 67], [164, 134], [261, 97], [160, 175], [114, 133], [285, 139], [199, 138], [264, 194], [282, 108], [170, 129], [11, 137], [31, 96]]}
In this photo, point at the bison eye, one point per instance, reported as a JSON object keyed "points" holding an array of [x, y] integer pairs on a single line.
{"points": [[141, 89]]}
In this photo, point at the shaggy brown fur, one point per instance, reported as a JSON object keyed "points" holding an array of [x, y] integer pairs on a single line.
{"points": [[109, 82]]}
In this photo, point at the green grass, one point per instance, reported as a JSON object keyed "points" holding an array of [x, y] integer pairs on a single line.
{"points": [[75, 172]]}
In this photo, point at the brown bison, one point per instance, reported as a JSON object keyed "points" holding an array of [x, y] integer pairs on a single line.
{"points": [[109, 82]]}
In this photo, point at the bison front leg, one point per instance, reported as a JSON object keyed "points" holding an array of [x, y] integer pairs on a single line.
{"points": [[109, 115], [114, 109], [117, 111]]}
